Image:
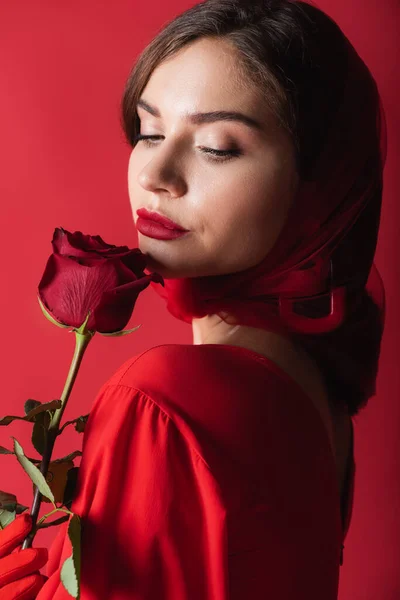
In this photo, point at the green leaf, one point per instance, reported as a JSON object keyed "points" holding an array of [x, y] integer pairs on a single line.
{"points": [[33, 472], [49, 317], [30, 405], [6, 451], [69, 491], [39, 431], [10, 506], [119, 333], [53, 523], [71, 570], [54, 404], [81, 423], [8, 502], [68, 457], [6, 517]]}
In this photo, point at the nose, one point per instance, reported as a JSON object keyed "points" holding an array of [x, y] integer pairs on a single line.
{"points": [[162, 173]]}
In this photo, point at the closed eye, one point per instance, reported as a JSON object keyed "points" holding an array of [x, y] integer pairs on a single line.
{"points": [[212, 153]]}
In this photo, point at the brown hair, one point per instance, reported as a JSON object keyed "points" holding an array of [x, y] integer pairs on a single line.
{"points": [[289, 51], [280, 50]]}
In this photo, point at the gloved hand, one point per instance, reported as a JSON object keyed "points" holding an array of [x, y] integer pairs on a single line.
{"points": [[19, 571]]}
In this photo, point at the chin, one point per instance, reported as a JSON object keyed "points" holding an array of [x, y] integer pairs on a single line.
{"points": [[168, 272], [153, 265], [181, 270]]}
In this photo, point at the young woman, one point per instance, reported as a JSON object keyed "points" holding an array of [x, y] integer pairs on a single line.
{"points": [[225, 469]]}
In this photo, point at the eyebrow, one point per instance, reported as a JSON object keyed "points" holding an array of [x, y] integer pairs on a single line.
{"points": [[199, 118]]}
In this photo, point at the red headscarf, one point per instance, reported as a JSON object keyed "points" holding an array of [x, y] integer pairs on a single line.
{"points": [[325, 249]]}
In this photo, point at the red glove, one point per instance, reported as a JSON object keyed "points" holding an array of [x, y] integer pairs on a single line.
{"points": [[19, 571]]}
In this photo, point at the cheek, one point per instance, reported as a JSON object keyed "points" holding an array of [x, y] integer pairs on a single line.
{"points": [[132, 177], [250, 208], [253, 197]]}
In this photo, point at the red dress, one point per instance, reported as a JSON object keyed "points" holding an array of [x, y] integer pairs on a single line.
{"points": [[207, 474]]}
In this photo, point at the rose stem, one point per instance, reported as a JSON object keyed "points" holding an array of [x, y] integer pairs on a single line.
{"points": [[81, 343]]}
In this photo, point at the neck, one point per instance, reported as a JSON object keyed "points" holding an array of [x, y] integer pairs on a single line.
{"points": [[214, 330], [211, 329]]}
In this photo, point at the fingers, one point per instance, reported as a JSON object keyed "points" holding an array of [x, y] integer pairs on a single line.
{"points": [[19, 564], [14, 534], [24, 589]]}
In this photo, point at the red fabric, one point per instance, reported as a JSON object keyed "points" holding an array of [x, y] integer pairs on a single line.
{"points": [[20, 578], [207, 474], [331, 228]]}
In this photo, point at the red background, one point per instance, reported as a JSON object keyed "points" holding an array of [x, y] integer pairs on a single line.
{"points": [[64, 163]]}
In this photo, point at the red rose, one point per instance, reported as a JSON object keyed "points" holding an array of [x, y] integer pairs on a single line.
{"points": [[85, 274]]}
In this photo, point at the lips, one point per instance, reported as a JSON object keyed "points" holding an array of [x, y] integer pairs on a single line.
{"points": [[157, 218], [156, 230]]}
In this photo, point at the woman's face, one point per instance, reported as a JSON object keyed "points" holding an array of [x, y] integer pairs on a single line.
{"points": [[234, 206]]}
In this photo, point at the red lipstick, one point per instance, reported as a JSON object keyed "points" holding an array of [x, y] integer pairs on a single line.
{"points": [[157, 226]]}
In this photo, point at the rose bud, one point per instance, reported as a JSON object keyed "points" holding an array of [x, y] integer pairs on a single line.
{"points": [[84, 274]]}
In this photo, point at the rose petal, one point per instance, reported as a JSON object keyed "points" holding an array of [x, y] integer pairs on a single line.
{"points": [[116, 306], [75, 244], [85, 273], [80, 245], [69, 290], [135, 260]]}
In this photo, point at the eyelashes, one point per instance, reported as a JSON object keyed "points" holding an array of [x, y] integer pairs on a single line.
{"points": [[210, 153]]}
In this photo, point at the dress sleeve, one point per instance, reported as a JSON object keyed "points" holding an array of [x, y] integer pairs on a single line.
{"points": [[154, 524]]}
